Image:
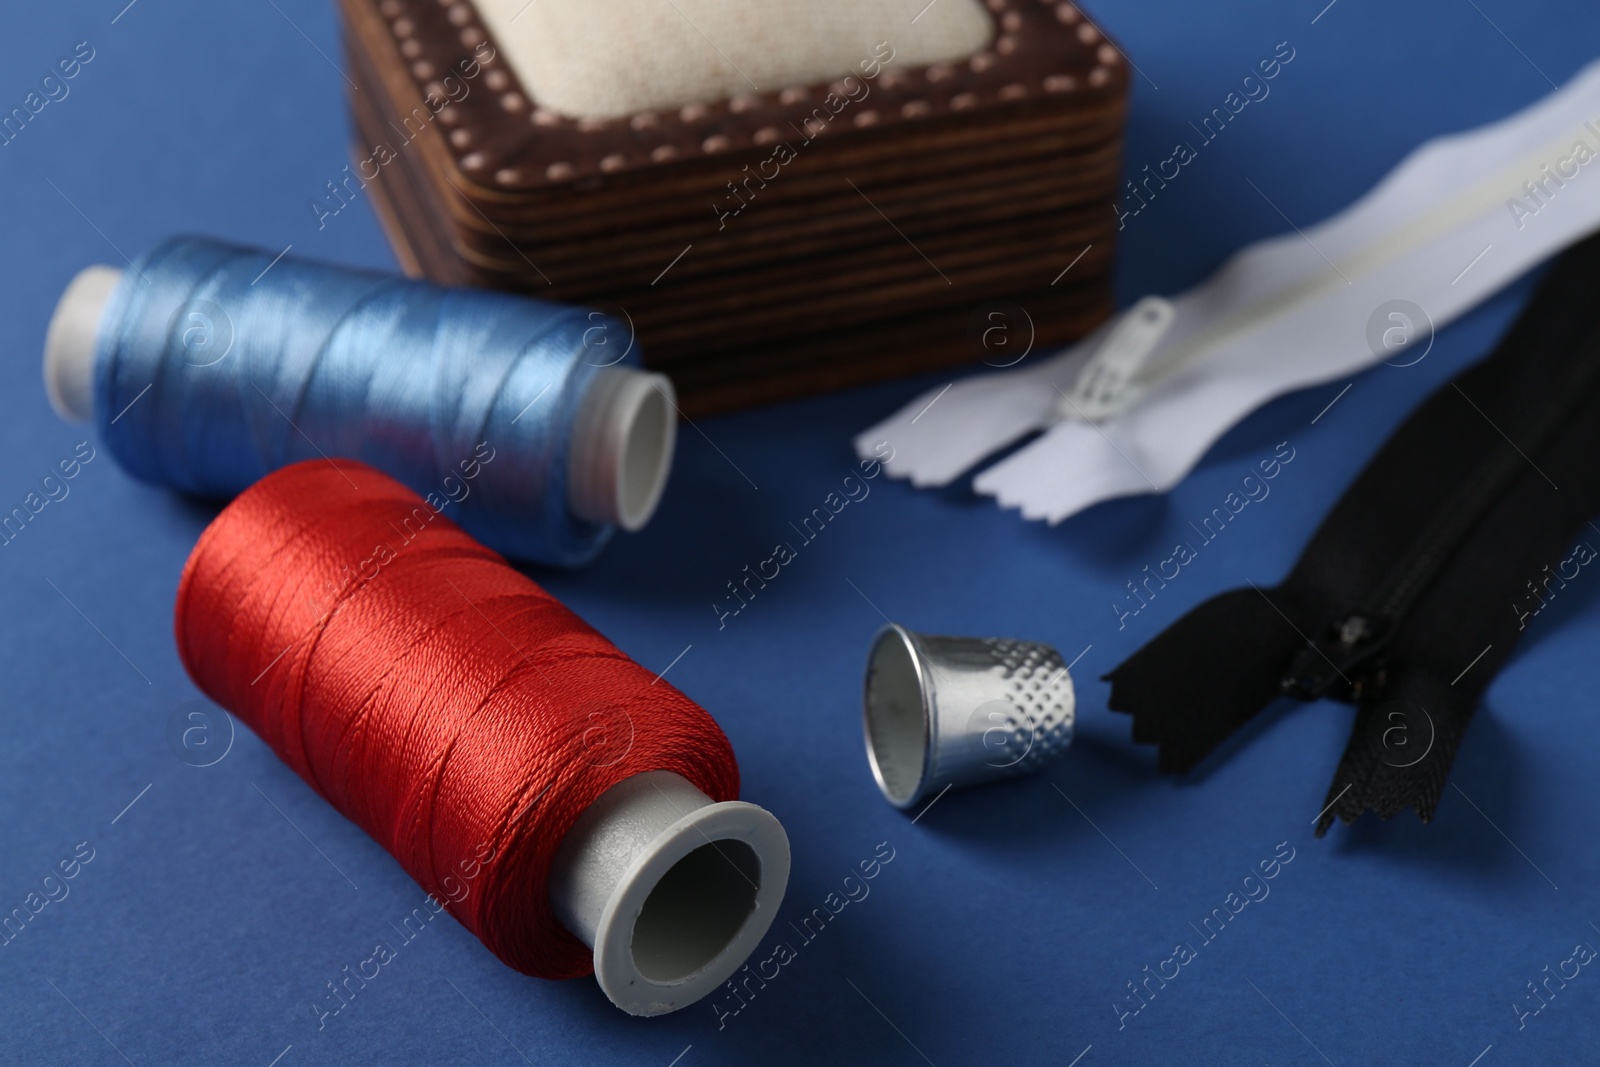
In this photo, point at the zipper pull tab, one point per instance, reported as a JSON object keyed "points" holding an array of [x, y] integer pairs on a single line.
{"points": [[1106, 385], [1339, 663]]}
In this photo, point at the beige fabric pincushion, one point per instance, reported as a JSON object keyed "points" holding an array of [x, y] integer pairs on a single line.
{"points": [[610, 58]]}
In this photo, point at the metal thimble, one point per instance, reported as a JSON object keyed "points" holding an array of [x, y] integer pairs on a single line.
{"points": [[943, 711]]}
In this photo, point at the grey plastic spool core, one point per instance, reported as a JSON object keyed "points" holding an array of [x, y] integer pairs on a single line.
{"points": [[672, 891], [695, 910], [623, 438], [70, 342]]}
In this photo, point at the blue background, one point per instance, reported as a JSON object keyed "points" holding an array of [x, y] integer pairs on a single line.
{"points": [[1008, 923]]}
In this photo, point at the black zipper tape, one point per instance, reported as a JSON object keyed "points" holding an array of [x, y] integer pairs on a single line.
{"points": [[1403, 600]]}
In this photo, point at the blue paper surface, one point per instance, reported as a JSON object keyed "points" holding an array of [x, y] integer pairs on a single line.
{"points": [[217, 901]]}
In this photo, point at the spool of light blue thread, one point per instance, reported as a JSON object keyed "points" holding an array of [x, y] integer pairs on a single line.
{"points": [[206, 365]]}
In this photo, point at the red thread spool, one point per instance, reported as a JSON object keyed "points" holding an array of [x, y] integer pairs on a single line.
{"points": [[456, 711]]}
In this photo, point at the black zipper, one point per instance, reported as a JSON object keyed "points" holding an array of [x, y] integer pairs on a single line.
{"points": [[1346, 661]]}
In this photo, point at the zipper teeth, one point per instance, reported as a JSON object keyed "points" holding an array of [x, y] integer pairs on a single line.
{"points": [[1421, 563], [1415, 569]]}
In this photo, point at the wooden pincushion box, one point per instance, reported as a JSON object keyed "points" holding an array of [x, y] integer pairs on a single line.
{"points": [[767, 243]]}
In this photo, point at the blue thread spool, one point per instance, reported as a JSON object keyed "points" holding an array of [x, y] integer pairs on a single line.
{"points": [[206, 365]]}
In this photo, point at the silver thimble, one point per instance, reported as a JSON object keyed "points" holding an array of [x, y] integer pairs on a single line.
{"points": [[943, 711]]}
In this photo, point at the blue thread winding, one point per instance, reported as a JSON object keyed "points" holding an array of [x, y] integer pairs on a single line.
{"points": [[248, 372]]}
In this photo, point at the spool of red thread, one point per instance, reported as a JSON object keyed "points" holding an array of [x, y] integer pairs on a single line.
{"points": [[553, 793]]}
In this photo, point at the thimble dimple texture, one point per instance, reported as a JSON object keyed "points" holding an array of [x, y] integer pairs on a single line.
{"points": [[1039, 727]]}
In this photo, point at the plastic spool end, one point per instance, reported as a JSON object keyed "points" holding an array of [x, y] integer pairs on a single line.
{"points": [[70, 342], [673, 892], [622, 446], [896, 717]]}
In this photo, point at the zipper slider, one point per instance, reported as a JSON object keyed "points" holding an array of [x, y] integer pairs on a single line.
{"points": [[1110, 381], [1339, 664]]}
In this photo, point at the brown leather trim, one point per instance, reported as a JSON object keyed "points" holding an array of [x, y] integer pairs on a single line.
{"points": [[500, 143]]}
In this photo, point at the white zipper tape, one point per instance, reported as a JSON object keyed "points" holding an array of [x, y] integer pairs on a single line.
{"points": [[1450, 225]]}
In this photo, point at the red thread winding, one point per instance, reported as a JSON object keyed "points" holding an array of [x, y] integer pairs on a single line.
{"points": [[438, 698]]}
